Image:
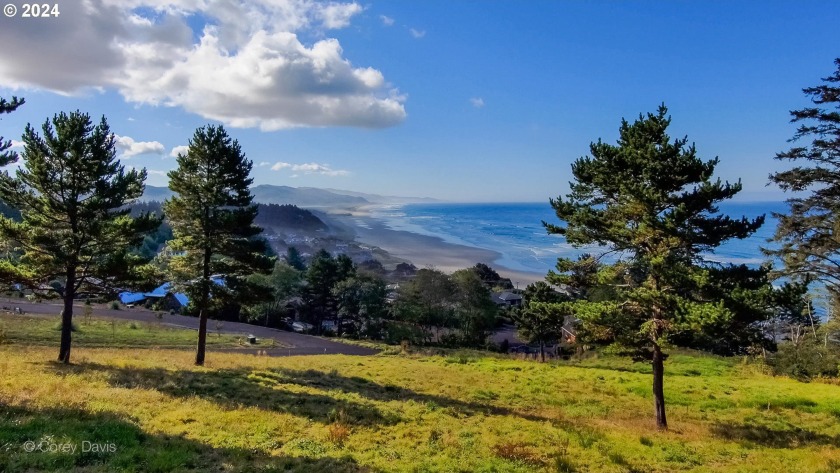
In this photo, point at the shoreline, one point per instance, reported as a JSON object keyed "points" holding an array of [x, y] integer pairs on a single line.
{"points": [[424, 251]]}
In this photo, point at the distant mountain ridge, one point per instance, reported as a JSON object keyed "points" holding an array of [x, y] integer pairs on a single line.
{"points": [[302, 196], [383, 199]]}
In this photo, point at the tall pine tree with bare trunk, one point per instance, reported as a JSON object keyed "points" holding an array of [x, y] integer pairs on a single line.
{"points": [[73, 193], [212, 218], [8, 157], [653, 203], [9, 270], [808, 238]]}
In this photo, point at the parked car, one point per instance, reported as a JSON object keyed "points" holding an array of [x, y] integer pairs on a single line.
{"points": [[301, 327]]}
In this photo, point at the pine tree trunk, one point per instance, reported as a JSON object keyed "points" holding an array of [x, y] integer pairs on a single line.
{"points": [[658, 388], [205, 302], [542, 351], [67, 317], [202, 337]]}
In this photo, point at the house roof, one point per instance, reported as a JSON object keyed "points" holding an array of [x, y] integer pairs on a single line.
{"points": [[161, 292], [508, 296], [181, 298], [131, 297]]}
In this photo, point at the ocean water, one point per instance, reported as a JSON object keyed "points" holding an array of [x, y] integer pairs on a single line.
{"points": [[515, 231]]}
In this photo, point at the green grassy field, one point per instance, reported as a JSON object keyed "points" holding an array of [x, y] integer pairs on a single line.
{"points": [[102, 332], [461, 412]]}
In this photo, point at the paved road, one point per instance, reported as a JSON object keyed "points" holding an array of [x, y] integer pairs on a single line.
{"points": [[298, 344]]}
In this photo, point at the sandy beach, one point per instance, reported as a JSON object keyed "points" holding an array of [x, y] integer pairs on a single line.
{"points": [[424, 250]]}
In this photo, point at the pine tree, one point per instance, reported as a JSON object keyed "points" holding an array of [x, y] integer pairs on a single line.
{"points": [[8, 157], [475, 312], [653, 202], [73, 195], [322, 276], [294, 259], [541, 322], [212, 217], [808, 238]]}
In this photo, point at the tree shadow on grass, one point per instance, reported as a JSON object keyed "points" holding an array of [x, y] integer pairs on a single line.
{"points": [[387, 392], [238, 387], [264, 388], [793, 437], [133, 449]]}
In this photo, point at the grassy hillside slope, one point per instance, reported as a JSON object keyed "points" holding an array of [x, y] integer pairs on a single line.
{"points": [[404, 413]]}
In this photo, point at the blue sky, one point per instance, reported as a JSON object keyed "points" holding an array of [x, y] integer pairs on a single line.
{"points": [[463, 101]]}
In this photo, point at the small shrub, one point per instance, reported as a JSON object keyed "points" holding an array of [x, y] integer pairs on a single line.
{"points": [[307, 446], [133, 326], [645, 441], [2, 335], [563, 464], [337, 433], [451, 340], [434, 437], [806, 360], [115, 305]]}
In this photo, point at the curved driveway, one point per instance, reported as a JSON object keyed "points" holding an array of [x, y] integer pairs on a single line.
{"points": [[294, 343]]}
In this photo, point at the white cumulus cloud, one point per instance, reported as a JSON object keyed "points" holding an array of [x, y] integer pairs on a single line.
{"points": [[386, 20], [127, 147], [178, 150], [309, 168], [477, 102], [17, 144], [245, 66]]}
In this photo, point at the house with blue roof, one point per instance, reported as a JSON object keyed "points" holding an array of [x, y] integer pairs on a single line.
{"points": [[162, 296]]}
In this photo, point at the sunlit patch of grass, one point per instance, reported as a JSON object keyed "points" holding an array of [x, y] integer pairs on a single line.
{"points": [[405, 413], [103, 332]]}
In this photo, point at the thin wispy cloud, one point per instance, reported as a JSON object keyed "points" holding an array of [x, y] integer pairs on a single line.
{"points": [[386, 20], [263, 164], [477, 102], [309, 168], [417, 33]]}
